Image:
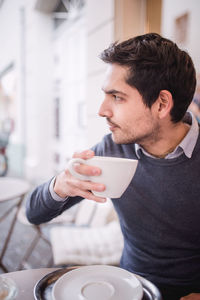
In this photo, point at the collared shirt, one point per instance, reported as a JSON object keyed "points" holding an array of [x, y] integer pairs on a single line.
{"points": [[186, 145]]}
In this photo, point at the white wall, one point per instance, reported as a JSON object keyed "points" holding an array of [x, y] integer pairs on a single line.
{"points": [[39, 94], [172, 9], [70, 71], [100, 33]]}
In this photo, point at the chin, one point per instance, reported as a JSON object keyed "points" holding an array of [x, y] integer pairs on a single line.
{"points": [[121, 140], [116, 139]]}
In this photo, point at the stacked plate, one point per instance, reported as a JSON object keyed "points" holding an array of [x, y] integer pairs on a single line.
{"points": [[97, 283]]}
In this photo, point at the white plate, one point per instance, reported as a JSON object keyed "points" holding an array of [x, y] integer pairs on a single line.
{"points": [[98, 282]]}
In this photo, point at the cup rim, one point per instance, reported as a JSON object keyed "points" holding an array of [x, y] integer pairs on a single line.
{"points": [[114, 158]]}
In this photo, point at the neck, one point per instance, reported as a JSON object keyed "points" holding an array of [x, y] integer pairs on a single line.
{"points": [[168, 140]]}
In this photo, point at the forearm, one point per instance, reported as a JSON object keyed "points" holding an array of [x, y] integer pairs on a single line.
{"points": [[41, 207]]}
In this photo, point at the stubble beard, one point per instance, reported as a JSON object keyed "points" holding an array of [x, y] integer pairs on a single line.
{"points": [[143, 139]]}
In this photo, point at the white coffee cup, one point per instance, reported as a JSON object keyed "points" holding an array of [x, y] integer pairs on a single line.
{"points": [[116, 173]]}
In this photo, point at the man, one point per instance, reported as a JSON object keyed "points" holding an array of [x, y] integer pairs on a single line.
{"points": [[149, 85]]}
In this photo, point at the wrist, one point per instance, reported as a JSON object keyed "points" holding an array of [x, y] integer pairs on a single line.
{"points": [[55, 193]]}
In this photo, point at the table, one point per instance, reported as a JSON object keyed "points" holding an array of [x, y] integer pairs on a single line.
{"points": [[26, 280], [11, 189]]}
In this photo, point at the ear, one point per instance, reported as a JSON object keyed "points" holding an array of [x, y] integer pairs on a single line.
{"points": [[164, 104]]}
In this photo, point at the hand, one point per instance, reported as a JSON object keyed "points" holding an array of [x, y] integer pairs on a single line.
{"points": [[67, 185], [192, 296]]}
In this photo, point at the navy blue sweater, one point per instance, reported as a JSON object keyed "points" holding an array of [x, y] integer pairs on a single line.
{"points": [[159, 214]]}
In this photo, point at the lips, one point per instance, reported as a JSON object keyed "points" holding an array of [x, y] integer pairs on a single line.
{"points": [[111, 125]]}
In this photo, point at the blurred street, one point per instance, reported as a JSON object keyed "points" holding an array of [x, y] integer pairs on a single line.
{"points": [[19, 243]]}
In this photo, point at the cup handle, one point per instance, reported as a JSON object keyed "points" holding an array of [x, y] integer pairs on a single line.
{"points": [[73, 172]]}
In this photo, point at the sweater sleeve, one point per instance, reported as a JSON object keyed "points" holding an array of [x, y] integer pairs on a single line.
{"points": [[41, 207]]}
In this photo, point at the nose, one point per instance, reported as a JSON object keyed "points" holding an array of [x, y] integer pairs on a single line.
{"points": [[105, 109]]}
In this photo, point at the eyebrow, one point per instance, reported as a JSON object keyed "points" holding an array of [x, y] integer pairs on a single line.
{"points": [[113, 92]]}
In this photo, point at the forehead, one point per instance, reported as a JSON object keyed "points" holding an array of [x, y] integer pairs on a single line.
{"points": [[115, 73], [115, 82], [115, 79]]}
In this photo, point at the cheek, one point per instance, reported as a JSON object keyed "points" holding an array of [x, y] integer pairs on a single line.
{"points": [[128, 121], [138, 120], [129, 116], [133, 115]]}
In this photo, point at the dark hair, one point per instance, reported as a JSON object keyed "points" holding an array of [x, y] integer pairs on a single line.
{"points": [[156, 63]]}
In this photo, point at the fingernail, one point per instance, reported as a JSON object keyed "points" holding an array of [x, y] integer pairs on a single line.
{"points": [[95, 172], [101, 187]]}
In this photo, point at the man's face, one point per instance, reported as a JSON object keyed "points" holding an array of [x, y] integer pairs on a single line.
{"points": [[128, 118]]}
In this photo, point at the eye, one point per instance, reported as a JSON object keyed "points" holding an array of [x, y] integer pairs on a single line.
{"points": [[117, 98]]}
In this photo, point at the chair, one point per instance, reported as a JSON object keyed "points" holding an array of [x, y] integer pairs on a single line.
{"points": [[98, 242], [14, 190], [67, 217]]}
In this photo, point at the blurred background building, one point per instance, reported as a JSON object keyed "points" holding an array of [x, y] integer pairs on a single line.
{"points": [[51, 76]]}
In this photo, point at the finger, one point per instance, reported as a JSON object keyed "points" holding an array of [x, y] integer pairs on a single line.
{"points": [[84, 154], [90, 196], [89, 185], [87, 170]]}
